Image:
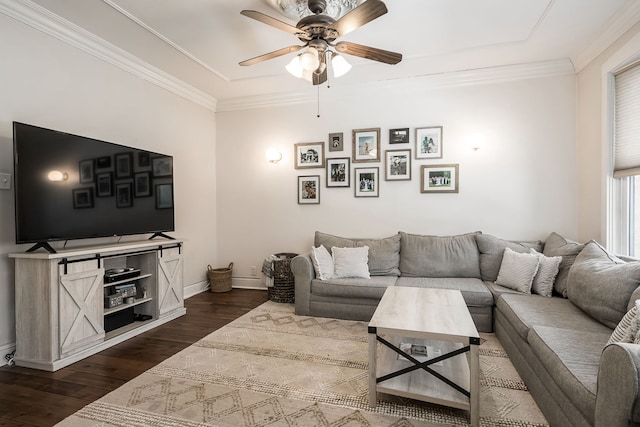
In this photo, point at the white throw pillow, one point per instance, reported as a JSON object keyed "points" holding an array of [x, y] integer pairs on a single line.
{"points": [[517, 271], [322, 263], [627, 329], [546, 275], [351, 262]]}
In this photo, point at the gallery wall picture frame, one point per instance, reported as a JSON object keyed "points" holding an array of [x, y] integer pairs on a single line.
{"points": [[82, 198], [124, 162], [399, 136], [439, 178], [309, 190], [397, 165], [338, 172], [366, 145], [124, 195], [104, 184], [103, 163], [336, 141], [162, 166], [366, 182], [86, 171], [164, 196], [309, 155], [142, 184], [429, 142]]}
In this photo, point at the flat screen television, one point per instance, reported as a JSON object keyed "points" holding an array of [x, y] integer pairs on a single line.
{"points": [[73, 187]]}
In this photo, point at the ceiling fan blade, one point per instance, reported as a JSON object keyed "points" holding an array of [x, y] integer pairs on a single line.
{"points": [[271, 55], [366, 12], [266, 19], [367, 52]]}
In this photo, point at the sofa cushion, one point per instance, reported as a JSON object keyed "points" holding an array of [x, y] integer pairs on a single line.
{"points": [[384, 253], [474, 291], [439, 256], [572, 359], [351, 262], [524, 311], [322, 262], [518, 270], [556, 245], [601, 284], [353, 288], [492, 249], [546, 275]]}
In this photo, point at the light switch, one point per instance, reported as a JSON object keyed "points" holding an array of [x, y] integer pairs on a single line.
{"points": [[5, 181]]}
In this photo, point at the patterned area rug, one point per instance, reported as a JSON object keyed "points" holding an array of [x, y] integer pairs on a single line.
{"points": [[273, 368]]}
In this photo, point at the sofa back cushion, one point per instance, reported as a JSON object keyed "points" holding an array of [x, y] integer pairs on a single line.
{"points": [[492, 249], [384, 253], [439, 256], [601, 284]]}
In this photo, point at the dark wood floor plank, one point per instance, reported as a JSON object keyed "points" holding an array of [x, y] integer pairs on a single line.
{"points": [[30, 398]]}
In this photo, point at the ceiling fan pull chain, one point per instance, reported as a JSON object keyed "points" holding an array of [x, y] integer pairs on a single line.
{"points": [[318, 114]]}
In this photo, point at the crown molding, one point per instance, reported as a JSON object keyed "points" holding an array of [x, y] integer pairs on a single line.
{"points": [[472, 77], [620, 23], [41, 19]]}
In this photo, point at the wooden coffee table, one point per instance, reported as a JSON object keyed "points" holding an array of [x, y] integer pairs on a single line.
{"points": [[437, 320]]}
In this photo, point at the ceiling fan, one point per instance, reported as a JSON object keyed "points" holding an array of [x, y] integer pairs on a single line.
{"points": [[318, 32]]}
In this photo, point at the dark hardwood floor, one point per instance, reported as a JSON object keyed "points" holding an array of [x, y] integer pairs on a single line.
{"points": [[29, 397]]}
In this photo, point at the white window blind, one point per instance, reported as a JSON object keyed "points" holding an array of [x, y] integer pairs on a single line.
{"points": [[627, 123]]}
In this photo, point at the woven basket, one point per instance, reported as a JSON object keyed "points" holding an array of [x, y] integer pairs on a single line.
{"points": [[283, 289], [220, 278]]}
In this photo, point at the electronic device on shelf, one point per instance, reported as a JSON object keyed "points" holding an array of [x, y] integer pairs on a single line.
{"points": [[117, 274]]}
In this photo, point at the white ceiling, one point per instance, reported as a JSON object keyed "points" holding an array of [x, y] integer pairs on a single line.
{"points": [[201, 42]]}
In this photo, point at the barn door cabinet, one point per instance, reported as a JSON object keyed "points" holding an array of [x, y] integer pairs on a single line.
{"points": [[61, 312]]}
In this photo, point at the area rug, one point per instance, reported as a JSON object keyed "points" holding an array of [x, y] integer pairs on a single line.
{"points": [[273, 368]]}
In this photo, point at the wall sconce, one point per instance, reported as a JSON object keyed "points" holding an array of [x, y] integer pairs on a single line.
{"points": [[477, 141], [273, 155], [57, 176]]}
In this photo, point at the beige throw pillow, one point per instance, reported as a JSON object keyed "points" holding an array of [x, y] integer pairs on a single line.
{"points": [[517, 271], [322, 263], [351, 262], [546, 275]]}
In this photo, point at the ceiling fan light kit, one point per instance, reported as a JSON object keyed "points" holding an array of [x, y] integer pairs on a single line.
{"points": [[318, 32]]}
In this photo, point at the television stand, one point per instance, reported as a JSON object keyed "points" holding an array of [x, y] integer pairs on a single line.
{"points": [[44, 245], [154, 235]]}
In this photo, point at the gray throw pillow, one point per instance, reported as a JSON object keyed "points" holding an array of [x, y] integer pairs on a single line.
{"points": [[601, 284], [492, 249], [556, 245], [439, 256]]}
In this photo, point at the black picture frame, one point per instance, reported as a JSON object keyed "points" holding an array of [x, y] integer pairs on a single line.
{"points": [[142, 184], [86, 171], [338, 172], [123, 163], [124, 195], [82, 198], [104, 184], [164, 196], [162, 166], [399, 136], [103, 163]]}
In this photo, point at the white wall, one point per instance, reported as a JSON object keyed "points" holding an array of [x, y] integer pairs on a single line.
{"points": [[523, 185], [47, 83]]}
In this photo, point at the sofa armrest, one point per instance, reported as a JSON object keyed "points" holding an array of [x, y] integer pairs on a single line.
{"points": [[618, 393], [303, 272]]}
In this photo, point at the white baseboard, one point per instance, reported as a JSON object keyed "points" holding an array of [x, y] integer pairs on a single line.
{"points": [[248, 283], [195, 288], [5, 350]]}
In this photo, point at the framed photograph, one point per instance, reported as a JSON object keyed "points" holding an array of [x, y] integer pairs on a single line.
{"points": [[162, 166], [309, 190], [399, 136], [439, 178], [104, 184], [366, 182], [86, 171], [124, 195], [338, 171], [144, 160], [82, 198], [429, 143], [123, 165], [309, 155], [142, 184], [103, 163], [164, 196], [397, 165], [366, 145], [336, 142]]}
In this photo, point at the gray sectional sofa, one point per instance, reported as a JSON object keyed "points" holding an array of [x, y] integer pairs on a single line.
{"points": [[559, 344]]}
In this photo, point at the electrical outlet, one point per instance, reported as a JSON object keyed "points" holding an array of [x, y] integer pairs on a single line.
{"points": [[5, 181], [254, 271]]}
